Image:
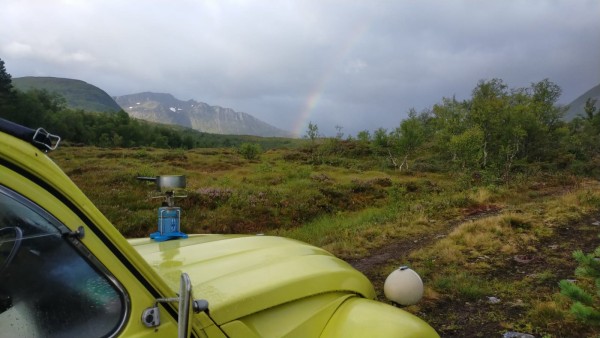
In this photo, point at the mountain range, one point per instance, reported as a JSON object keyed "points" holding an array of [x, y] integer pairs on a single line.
{"points": [[155, 107], [165, 108]]}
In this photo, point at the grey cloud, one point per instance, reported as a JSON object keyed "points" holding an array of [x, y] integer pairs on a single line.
{"points": [[366, 62]]}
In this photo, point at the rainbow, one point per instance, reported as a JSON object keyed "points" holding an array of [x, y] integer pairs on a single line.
{"points": [[317, 90]]}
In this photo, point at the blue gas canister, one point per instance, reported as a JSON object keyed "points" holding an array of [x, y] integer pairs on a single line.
{"points": [[168, 224], [168, 219]]}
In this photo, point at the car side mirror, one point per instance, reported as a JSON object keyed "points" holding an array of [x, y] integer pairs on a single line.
{"points": [[185, 305], [151, 317]]}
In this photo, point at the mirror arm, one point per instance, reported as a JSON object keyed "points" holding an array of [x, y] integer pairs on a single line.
{"points": [[151, 318]]}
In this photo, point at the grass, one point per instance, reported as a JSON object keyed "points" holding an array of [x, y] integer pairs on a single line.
{"points": [[463, 286], [462, 238], [486, 248]]}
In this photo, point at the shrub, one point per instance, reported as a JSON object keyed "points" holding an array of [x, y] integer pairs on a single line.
{"points": [[250, 151], [585, 301]]}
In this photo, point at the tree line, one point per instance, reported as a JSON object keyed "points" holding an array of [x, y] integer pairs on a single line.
{"points": [[498, 131]]}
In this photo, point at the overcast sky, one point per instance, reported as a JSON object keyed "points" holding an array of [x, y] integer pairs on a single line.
{"points": [[356, 64]]}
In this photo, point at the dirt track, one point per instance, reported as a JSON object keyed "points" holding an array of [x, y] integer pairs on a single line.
{"points": [[469, 318], [399, 250]]}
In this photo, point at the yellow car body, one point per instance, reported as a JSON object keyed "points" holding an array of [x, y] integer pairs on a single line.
{"points": [[255, 286]]}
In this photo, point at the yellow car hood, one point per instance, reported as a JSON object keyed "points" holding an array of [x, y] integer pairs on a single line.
{"points": [[241, 275]]}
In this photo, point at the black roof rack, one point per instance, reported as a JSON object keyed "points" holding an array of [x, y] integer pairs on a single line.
{"points": [[40, 138]]}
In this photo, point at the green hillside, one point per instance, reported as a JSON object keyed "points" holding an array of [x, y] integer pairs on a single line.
{"points": [[78, 94]]}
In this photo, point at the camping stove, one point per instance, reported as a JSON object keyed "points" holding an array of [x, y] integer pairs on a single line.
{"points": [[169, 216]]}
